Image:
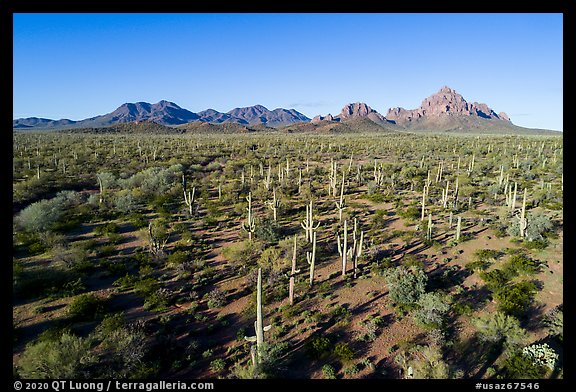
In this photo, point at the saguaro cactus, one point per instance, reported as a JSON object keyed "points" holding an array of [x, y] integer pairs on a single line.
{"points": [[311, 258], [274, 204], [523, 221], [429, 228], [188, 197], [293, 273], [258, 324], [341, 203], [343, 247], [356, 250], [250, 224], [308, 223], [458, 229]]}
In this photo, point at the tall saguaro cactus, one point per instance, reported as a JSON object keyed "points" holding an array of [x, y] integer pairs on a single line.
{"points": [[429, 228], [458, 229], [523, 221], [249, 225], [343, 247], [311, 258], [308, 223], [293, 273], [188, 197], [258, 324], [341, 203], [356, 250], [274, 204]]}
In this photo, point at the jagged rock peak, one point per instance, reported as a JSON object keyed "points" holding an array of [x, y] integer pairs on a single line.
{"points": [[358, 109]]}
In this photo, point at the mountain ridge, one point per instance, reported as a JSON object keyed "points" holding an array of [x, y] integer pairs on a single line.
{"points": [[444, 111]]}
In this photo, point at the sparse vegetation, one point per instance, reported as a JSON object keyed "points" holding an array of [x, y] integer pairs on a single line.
{"points": [[115, 232]]}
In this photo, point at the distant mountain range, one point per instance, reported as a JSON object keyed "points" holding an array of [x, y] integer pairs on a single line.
{"points": [[170, 114], [444, 111]]}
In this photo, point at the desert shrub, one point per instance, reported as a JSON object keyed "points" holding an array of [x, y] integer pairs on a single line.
{"points": [[520, 366], [410, 260], [68, 357], [124, 201], [217, 365], [157, 300], [500, 329], [318, 346], [537, 225], [271, 259], [515, 299], [177, 258], [427, 363], [487, 254], [411, 213], [107, 228], [379, 219], [243, 253], [431, 310], [137, 220], [215, 299], [44, 214], [127, 348], [521, 263], [37, 282], [495, 279], [554, 321], [267, 230], [405, 285], [110, 323], [328, 372], [85, 307], [340, 313], [479, 265], [343, 352]]}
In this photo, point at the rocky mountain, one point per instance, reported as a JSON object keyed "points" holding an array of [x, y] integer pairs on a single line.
{"points": [[215, 117], [357, 110], [446, 110], [35, 122], [163, 112], [169, 114], [260, 115]]}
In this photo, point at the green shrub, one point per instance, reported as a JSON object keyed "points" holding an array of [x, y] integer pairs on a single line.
{"points": [[107, 228], [515, 299], [520, 263], [85, 307], [215, 299], [405, 285], [520, 366], [157, 300], [217, 365], [318, 346], [343, 352], [329, 372], [487, 254], [340, 313], [499, 328], [495, 279], [68, 357], [177, 258], [432, 309]]}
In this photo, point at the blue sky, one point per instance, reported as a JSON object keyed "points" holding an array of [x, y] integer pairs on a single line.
{"points": [[81, 65]]}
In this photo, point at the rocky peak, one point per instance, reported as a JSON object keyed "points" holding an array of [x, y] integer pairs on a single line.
{"points": [[446, 102], [358, 109], [319, 118]]}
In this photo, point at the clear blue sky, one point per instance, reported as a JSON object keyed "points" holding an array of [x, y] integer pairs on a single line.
{"points": [[81, 65]]}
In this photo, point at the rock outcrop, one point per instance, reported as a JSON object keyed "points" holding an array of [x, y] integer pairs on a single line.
{"points": [[446, 102]]}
